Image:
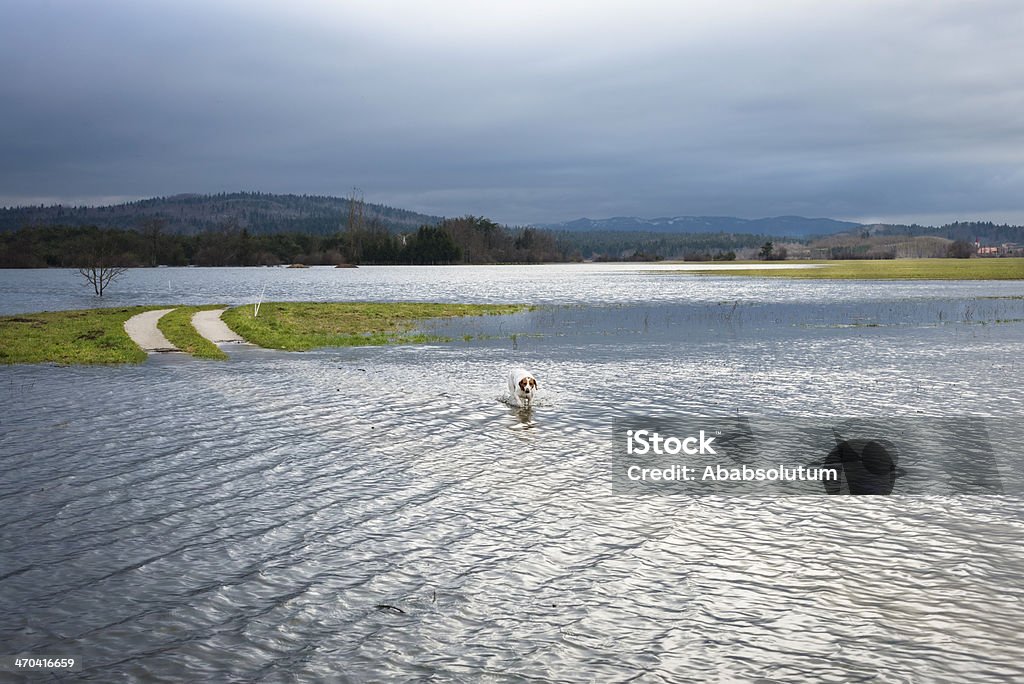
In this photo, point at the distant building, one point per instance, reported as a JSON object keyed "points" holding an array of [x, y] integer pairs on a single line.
{"points": [[1005, 249]]}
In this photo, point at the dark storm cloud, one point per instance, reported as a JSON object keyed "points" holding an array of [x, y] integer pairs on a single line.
{"points": [[524, 111]]}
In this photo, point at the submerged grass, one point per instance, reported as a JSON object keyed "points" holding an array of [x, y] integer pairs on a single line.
{"points": [[70, 337], [1010, 268], [300, 326], [177, 327]]}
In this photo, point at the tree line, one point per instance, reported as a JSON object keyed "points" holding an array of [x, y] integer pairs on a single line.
{"points": [[965, 231], [466, 240], [617, 245]]}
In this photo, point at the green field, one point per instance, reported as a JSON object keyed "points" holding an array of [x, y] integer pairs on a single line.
{"points": [[67, 337], [177, 327], [884, 269], [301, 326]]}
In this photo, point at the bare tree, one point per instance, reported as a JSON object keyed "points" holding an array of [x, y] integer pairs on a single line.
{"points": [[100, 264], [100, 276], [354, 229], [153, 229]]}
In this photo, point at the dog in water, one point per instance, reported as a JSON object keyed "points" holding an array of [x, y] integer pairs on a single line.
{"points": [[522, 386]]}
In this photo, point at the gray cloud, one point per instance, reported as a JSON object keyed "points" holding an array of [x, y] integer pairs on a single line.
{"points": [[524, 111]]}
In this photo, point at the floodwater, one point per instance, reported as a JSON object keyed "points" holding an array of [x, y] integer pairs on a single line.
{"points": [[370, 514], [30, 290]]}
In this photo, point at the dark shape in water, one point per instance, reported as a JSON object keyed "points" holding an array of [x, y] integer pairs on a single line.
{"points": [[869, 466]]}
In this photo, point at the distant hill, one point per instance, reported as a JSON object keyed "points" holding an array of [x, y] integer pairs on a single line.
{"points": [[623, 244], [986, 232], [779, 226], [259, 213], [889, 241]]}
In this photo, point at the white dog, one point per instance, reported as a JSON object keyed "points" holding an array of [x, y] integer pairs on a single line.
{"points": [[522, 386]]}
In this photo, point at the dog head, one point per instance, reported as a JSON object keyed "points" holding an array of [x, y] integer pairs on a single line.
{"points": [[527, 386]]}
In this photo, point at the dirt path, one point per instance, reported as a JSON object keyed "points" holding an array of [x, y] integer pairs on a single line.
{"points": [[143, 331], [209, 325]]}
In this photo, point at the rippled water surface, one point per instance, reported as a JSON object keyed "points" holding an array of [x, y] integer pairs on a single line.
{"points": [[372, 514], [30, 290]]}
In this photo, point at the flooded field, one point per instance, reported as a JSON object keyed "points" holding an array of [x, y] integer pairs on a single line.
{"points": [[378, 513]]}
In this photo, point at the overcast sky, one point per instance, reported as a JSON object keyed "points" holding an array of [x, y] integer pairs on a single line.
{"points": [[524, 111]]}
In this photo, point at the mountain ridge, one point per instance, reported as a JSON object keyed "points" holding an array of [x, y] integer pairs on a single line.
{"points": [[189, 213], [779, 226], [271, 213]]}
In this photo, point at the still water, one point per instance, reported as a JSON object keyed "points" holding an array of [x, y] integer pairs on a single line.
{"points": [[375, 514]]}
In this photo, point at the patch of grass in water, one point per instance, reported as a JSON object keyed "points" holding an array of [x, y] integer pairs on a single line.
{"points": [[92, 336], [1008, 268], [177, 327], [301, 326]]}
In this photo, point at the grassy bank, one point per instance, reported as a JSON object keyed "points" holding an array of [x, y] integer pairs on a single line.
{"points": [[66, 337], [97, 336], [177, 327], [887, 269], [300, 326]]}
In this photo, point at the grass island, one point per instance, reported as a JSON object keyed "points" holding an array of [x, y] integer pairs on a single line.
{"points": [[97, 336]]}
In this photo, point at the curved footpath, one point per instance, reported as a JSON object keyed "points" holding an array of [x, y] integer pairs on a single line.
{"points": [[209, 325], [143, 331]]}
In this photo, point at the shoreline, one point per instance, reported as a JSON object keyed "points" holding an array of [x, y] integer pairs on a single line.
{"points": [[975, 268], [996, 268]]}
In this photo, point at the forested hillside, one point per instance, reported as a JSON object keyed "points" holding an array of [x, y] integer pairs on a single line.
{"points": [[968, 231], [258, 213]]}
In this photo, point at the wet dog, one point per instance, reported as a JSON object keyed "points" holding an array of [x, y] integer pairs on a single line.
{"points": [[522, 386]]}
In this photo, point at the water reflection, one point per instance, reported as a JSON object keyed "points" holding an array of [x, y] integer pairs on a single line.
{"points": [[524, 417]]}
